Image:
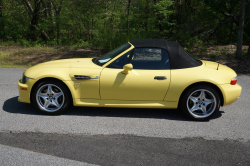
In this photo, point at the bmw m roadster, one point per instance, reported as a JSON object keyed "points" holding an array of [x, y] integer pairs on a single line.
{"points": [[150, 73]]}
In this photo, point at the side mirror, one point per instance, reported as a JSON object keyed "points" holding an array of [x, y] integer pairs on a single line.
{"points": [[127, 68]]}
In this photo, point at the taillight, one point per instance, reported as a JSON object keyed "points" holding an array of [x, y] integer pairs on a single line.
{"points": [[233, 81]]}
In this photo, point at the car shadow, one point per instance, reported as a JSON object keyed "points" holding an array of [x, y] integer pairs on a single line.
{"points": [[13, 106]]}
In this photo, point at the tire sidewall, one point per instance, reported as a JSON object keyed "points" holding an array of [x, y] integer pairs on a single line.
{"points": [[62, 87], [183, 102]]}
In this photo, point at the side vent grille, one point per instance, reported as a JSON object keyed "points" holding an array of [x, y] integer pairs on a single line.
{"points": [[78, 77]]}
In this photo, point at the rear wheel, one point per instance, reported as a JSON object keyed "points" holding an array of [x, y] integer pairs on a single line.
{"points": [[200, 102], [51, 97]]}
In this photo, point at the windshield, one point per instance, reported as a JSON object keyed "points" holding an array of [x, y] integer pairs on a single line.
{"points": [[110, 55]]}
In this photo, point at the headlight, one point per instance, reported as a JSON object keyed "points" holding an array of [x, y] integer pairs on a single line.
{"points": [[24, 79]]}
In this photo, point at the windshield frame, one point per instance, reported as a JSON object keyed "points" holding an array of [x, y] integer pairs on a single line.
{"points": [[112, 54]]}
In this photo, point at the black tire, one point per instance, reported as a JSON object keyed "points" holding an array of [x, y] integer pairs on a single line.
{"points": [[54, 101], [194, 105]]}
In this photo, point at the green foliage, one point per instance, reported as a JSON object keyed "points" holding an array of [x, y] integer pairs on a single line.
{"points": [[219, 49], [106, 24], [244, 53], [163, 11], [204, 49], [24, 42], [212, 56]]}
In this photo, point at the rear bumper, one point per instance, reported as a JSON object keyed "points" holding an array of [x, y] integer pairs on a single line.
{"points": [[230, 93], [24, 91]]}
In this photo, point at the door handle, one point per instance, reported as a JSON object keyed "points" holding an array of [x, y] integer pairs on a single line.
{"points": [[160, 78]]}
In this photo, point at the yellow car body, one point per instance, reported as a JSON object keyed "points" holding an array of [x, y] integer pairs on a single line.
{"points": [[110, 87]]}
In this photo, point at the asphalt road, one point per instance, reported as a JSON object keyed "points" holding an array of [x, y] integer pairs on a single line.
{"points": [[110, 136]]}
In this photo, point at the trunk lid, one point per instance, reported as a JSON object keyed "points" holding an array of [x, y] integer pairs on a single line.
{"points": [[210, 64]]}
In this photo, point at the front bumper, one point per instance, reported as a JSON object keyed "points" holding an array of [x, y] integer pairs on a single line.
{"points": [[230, 93], [24, 90]]}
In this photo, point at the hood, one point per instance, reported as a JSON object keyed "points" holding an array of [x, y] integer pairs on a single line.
{"points": [[68, 63], [61, 69]]}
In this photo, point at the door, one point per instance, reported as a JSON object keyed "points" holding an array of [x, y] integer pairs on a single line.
{"points": [[148, 80]]}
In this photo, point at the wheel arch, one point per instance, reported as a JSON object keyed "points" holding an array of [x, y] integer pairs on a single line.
{"points": [[208, 84], [49, 78]]}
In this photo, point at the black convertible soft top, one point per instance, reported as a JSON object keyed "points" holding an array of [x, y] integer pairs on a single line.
{"points": [[179, 59]]}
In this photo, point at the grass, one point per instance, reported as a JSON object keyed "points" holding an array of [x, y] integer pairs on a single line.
{"points": [[4, 55]]}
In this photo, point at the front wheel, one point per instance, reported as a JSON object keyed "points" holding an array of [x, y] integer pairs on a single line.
{"points": [[200, 102], [51, 97]]}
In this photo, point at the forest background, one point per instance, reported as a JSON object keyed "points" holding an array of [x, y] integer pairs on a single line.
{"points": [[88, 26]]}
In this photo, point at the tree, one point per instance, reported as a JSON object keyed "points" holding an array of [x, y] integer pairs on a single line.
{"points": [[248, 52], [109, 23], [1, 20], [241, 29], [225, 12], [34, 20], [128, 16], [58, 9], [34, 15]]}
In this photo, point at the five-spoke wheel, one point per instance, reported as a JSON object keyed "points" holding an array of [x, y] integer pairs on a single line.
{"points": [[200, 102], [51, 97]]}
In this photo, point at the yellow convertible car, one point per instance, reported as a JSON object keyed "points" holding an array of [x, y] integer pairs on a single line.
{"points": [[148, 73]]}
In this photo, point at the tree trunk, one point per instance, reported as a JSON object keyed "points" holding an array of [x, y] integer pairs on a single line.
{"points": [[1, 20], [35, 21], [57, 29], [34, 15], [240, 32], [28, 7], [147, 15], [128, 16], [45, 9], [248, 52], [44, 35], [51, 12], [58, 10], [231, 33], [46, 14], [112, 16]]}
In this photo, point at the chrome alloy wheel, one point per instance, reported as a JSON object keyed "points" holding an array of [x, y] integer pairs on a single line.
{"points": [[50, 97], [201, 103]]}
